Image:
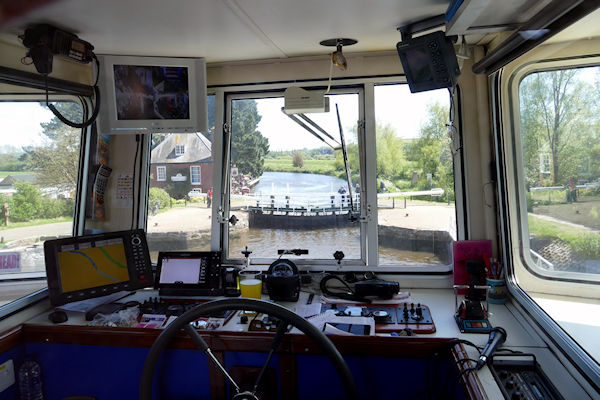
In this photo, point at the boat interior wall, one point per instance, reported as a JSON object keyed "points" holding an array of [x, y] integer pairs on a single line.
{"points": [[302, 68]]}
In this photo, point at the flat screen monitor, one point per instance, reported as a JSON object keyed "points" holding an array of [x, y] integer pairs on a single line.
{"points": [[83, 267], [152, 95], [189, 273], [429, 62]]}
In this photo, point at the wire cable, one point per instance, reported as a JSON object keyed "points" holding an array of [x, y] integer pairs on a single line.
{"points": [[137, 147]]}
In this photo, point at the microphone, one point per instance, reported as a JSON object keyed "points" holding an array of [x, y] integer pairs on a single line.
{"points": [[497, 337]]}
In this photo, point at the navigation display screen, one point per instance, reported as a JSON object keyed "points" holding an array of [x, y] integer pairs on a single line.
{"points": [[92, 264], [181, 270], [151, 92]]}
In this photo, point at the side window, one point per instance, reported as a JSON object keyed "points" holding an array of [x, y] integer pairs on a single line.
{"points": [[180, 190], [39, 159], [561, 170], [415, 177]]}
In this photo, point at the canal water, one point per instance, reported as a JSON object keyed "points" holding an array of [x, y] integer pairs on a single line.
{"points": [[312, 189]]}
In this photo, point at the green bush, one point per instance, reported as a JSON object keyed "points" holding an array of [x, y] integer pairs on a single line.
{"points": [[26, 203], [160, 196]]}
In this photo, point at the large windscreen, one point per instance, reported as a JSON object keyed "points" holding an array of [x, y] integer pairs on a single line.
{"points": [[151, 92], [92, 264]]}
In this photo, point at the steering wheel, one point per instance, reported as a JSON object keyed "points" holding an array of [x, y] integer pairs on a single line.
{"points": [[286, 318]]}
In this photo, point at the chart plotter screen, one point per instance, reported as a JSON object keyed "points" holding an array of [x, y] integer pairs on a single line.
{"points": [[89, 266], [92, 264]]}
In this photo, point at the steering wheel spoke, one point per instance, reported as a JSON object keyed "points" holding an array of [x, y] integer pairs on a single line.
{"points": [[282, 328], [203, 346]]}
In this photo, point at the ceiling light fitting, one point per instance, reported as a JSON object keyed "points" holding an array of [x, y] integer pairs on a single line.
{"points": [[337, 57]]}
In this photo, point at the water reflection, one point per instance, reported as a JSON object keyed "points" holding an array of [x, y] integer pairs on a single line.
{"points": [[264, 243]]}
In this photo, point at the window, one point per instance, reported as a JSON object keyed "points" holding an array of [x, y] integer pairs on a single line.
{"points": [[415, 177], [560, 164], [39, 159], [161, 173], [549, 143], [196, 175], [179, 214], [288, 185]]}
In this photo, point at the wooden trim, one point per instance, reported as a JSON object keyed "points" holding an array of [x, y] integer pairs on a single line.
{"points": [[371, 346], [470, 381], [11, 339], [288, 370]]}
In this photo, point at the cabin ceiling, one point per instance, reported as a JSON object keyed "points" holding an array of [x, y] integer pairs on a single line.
{"points": [[229, 30]]}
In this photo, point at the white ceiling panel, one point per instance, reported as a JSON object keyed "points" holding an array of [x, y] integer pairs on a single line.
{"points": [[226, 30]]}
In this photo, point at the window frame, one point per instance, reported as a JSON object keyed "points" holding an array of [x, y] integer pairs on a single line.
{"points": [[308, 262], [514, 140], [80, 197], [161, 168], [438, 276], [179, 150], [199, 181]]}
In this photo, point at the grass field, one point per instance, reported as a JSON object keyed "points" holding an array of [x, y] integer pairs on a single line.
{"points": [[35, 222], [324, 167], [4, 174]]}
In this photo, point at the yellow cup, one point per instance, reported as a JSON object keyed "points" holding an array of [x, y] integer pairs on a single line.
{"points": [[251, 288]]}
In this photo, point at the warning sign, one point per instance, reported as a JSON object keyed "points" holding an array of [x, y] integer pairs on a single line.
{"points": [[10, 262]]}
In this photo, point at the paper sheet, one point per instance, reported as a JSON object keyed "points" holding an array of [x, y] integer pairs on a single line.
{"points": [[330, 318], [308, 310]]}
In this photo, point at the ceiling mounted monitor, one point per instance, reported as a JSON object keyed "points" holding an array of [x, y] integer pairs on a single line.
{"points": [[429, 62], [152, 94]]}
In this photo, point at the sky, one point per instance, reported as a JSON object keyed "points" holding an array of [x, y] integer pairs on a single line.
{"points": [[20, 123], [394, 104]]}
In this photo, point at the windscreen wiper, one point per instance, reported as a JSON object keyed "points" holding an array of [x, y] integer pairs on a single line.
{"points": [[294, 118], [351, 215]]}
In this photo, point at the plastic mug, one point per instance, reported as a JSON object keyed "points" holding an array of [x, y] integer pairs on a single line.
{"points": [[497, 292], [250, 285]]}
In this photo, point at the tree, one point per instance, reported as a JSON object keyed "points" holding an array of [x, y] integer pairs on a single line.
{"points": [[556, 117], [298, 159], [391, 161], [432, 150], [248, 146], [55, 164]]}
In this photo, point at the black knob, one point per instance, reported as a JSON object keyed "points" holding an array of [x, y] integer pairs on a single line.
{"points": [[503, 374], [516, 395], [510, 384]]}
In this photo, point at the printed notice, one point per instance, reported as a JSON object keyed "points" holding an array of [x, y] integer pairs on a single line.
{"points": [[124, 192], [10, 262]]}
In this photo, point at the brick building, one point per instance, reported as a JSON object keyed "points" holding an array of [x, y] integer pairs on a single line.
{"points": [[182, 157]]}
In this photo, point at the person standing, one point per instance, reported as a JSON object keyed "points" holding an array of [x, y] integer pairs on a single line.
{"points": [[209, 197]]}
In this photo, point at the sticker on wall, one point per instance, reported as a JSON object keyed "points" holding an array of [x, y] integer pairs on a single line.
{"points": [[124, 192]]}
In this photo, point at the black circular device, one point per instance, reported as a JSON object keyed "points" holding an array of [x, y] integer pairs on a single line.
{"points": [[283, 281], [283, 267], [58, 317]]}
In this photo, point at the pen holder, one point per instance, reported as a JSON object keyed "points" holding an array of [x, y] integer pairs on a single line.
{"points": [[497, 291]]}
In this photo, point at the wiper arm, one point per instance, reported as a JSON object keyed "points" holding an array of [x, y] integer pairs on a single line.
{"points": [[294, 118]]}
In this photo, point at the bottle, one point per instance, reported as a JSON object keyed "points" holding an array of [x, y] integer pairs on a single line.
{"points": [[30, 380]]}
